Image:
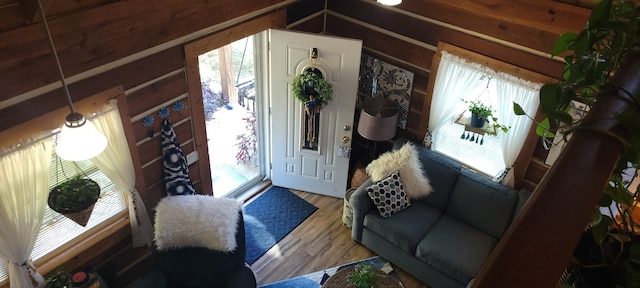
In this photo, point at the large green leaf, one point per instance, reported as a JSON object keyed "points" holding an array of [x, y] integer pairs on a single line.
{"points": [[549, 97], [544, 129], [600, 13], [601, 229], [517, 109], [562, 43]]}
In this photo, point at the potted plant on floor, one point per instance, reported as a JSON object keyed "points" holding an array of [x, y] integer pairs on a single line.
{"points": [[592, 57], [75, 198]]}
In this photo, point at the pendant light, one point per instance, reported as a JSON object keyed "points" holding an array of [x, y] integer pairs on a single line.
{"points": [[390, 2], [79, 139]]}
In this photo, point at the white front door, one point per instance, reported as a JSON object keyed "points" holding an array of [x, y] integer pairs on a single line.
{"points": [[325, 170]]}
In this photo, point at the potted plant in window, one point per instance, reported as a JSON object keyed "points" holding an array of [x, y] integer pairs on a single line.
{"points": [[592, 57], [75, 198], [482, 114]]}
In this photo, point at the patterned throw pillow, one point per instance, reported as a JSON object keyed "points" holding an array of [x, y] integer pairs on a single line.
{"points": [[388, 195]]}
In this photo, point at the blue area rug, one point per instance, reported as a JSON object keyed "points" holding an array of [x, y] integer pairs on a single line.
{"points": [[316, 279], [270, 217]]}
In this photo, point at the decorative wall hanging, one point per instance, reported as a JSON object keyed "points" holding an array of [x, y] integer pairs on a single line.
{"points": [[176, 172], [380, 79], [310, 88], [147, 122]]}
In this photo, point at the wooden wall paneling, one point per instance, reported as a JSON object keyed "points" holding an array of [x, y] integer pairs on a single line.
{"points": [[128, 76], [99, 36], [96, 247], [313, 25], [142, 133], [55, 119], [411, 53], [151, 150], [11, 16], [192, 51], [429, 32], [302, 9], [156, 93], [524, 161], [501, 19]]}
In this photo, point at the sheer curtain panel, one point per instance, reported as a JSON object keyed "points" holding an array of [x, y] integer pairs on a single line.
{"points": [[115, 162], [456, 79], [511, 90], [24, 188]]}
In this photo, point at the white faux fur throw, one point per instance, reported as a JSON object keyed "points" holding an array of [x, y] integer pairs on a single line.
{"points": [[406, 161], [196, 221]]}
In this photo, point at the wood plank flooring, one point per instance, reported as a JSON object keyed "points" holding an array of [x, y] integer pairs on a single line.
{"points": [[321, 241]]}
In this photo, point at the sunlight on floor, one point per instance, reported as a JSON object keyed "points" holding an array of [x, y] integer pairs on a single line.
{"points": [[226, 173]]}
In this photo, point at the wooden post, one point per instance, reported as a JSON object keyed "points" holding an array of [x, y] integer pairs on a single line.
{"points": [[539, 244], [227, 77]]}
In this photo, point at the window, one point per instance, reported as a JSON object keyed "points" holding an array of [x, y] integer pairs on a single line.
{"points": [[56, 229], [458, 80]]}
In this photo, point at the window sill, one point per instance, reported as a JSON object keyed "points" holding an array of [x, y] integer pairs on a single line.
{"points": [[80, 249]]}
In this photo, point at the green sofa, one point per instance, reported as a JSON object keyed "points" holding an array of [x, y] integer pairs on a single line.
{"points": [[444, 239]]}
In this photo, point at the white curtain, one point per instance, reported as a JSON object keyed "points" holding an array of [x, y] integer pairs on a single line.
{"points": [[24, 188], [455, 81], [116, 163], [511, 89]]}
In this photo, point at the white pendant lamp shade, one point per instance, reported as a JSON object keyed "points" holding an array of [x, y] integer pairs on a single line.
{"points": [[390, 2], [79, 139]]}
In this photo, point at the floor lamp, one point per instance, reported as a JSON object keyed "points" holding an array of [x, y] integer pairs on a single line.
{"points": [[378, 121]]}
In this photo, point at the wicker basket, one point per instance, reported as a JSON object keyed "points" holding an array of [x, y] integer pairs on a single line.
{"points": [[341, 279], [359, 175]]}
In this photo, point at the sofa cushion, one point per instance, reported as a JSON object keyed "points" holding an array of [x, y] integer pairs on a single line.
{"points": [[406, 228], [443, 173], [455, 248], [406, 161], [388, 195], [482, 203]]}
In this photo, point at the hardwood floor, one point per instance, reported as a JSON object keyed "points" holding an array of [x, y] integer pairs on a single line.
{"points": [[321, 241]]}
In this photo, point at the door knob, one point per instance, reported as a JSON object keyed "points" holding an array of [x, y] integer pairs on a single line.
{"points": [[345, 139]]}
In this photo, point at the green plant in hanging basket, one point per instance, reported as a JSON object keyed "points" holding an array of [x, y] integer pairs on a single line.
{"points": [[74, 195], [310, 83]]}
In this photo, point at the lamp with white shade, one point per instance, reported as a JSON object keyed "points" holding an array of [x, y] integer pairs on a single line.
{"points": [[79, 139]]}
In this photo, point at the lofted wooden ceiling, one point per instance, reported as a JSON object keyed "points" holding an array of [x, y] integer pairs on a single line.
{"points": [[18, 13]]}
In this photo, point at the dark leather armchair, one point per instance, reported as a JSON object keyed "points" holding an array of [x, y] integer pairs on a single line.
{"points": [[201, 267]]}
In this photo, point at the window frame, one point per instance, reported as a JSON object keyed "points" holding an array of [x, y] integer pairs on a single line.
{"points": [[76, 253], [526, 154]]}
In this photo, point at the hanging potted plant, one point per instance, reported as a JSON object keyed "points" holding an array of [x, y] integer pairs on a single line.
{"points": [[310, 86], [482, 114], [75, 198]]}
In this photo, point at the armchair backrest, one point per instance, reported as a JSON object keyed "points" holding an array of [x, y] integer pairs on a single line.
{"points": [[202, 267]]}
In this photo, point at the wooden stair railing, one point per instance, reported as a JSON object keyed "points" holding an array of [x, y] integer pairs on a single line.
{"points": [[539, 244]]}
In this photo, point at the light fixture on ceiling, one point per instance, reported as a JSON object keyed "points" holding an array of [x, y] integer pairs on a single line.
{"points": [[79, 139], [390, 2]]}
